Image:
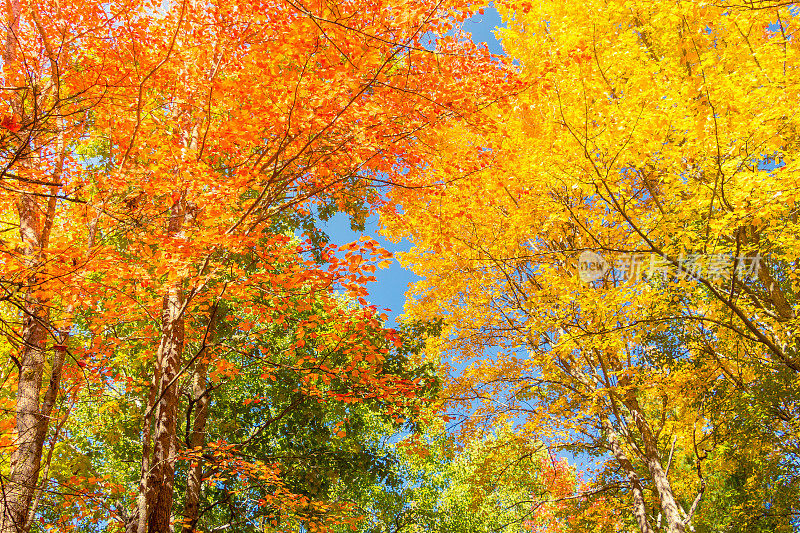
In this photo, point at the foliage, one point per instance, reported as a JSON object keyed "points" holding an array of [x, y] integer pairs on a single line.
{"points": [[499, 483], [605, 221], [662, 138], [161, 161], [266, 412]]}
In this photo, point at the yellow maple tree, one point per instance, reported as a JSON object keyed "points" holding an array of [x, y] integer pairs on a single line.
{"points": [[616, 256]]}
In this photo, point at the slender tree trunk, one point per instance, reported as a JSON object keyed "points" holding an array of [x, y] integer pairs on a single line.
{"points": [[134, 523], [19, 488], [639, 508], [652, 459], [52, 390], [191, 511], [201, 399], [21, 483], [156, 484], [161, 477], [32, 421]]}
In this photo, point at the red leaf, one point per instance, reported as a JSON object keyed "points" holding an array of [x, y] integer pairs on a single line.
{"points": [[11, 123]]}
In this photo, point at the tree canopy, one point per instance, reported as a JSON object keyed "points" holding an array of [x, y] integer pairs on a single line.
{"points": [[604, 219], [616, 262]]}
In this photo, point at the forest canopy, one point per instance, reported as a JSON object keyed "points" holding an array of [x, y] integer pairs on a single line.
{"points": [[603, 219]]}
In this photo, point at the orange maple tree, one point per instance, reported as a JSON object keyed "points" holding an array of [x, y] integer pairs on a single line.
{"points": [[148, 146]]}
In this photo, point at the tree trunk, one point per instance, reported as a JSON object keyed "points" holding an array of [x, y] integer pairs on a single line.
{"points": [[25, 459], [652, 459], [200, 398], [57, 366], [132, 524], [60, 353], [639, 508], [191, 511], [32, 419], [19, 490], [156, 483], [161, 477]]}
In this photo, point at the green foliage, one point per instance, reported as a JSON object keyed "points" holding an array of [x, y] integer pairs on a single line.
{"points": [[498, 484]]}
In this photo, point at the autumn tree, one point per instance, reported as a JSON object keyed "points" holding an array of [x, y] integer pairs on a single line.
{"points": [[499, 483], [656, 142], [148, 144], [285, 423], [43, 106]]}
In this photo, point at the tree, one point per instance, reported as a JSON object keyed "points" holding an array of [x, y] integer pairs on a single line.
{"points": [[149, 145], [656, 140], [498, 483], [283, 427]]}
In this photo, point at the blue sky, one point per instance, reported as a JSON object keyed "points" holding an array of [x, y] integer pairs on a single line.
{"points": [[388, 291], [481, 26]]}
